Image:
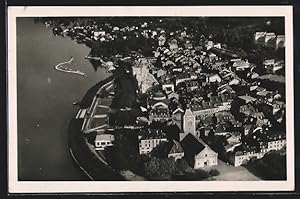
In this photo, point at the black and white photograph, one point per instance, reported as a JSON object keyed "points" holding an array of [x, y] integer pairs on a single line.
{"points": [[122, 99]]}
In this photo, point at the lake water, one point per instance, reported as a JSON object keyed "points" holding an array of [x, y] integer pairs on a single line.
{"points": [[45, 98]]}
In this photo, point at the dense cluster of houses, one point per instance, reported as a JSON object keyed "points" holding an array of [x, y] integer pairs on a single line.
{"points": [[203, 89], [91, 30], [195, 91], [256, 146]]}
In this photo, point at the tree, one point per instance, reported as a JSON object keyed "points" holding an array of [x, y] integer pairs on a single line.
{"points": [[214, 172], [271, 167], [214, 120], [159, 168], [91, 137], [124, 154], [182, 166], [211, 135], [125, 87], [235, 108]]}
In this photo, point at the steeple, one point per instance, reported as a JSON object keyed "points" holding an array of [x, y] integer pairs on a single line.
{"points": [[189, 121]]}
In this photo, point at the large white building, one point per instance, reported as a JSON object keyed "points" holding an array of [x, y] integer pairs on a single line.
{"points": [[104, 140], [149, 139]]}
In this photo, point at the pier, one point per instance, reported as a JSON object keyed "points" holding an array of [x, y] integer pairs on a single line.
{"points": [[60, 67]]}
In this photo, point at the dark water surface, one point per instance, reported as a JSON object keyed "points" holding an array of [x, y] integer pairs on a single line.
{"points": [[45, 98]]}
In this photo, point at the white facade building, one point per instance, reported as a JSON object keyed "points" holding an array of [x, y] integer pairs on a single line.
{"points": [[243, 157], [104, 140], [148, 140]]}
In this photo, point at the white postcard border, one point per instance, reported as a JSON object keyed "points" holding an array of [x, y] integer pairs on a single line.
{"points": [[16, 186]]}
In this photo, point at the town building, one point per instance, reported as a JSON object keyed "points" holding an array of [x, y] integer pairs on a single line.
{"points": [[197, 153], [173, 45], [159, 107], [168, 87], [150, 138], [243, 153], [214, 78], [104, 140], [176, 151], [247, 98], [268, 62], [240, 65], [209, 45], [280, 41], [158, 100], [270, 39], [189, 122], [259, 36], [177, 115], [159, 115], [173, 95], [207, 109], [161, 40]]}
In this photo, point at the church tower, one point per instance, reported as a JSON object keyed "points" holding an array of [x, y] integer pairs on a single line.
{"points": [[189, 122]]}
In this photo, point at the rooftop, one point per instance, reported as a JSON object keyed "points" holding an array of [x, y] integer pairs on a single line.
{"points": [[247, 98], [176, 147], [105, 137], [145, 134], [271, 77]]}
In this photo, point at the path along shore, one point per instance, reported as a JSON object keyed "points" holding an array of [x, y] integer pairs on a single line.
{"points": [[87, 161]]}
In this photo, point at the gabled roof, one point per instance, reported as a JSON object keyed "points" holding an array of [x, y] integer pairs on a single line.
{"points": [[105, 137], [259, 89], [176, 147], [221, 128], [247, 108], [178, 109], [159, 104], [172, 94], [188, 112], [263, 93], [159, 111], [152, 102], [146, 134], [247, 98], [240, 63], [192, 145]]}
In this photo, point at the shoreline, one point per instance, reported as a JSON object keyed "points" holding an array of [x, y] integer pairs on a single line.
{"points": [[81, 168], [81, 153]]}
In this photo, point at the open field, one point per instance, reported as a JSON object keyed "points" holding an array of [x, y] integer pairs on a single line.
{"points": [[231, 173]]}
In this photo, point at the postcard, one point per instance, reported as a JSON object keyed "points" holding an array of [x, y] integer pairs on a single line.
{"points": [[150, 99]]}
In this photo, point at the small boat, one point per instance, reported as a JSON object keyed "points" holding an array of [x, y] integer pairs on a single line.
{"points": [[75, 103]]}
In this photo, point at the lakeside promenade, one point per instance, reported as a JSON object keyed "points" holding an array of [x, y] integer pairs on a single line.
{"points": [[80, 151]]}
